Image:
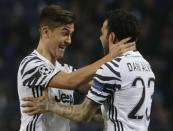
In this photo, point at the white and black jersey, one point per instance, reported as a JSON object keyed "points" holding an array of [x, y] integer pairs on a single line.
{"points": [[125, 87], [34, 75]]}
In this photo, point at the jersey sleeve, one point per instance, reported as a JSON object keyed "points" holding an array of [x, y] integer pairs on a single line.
{"points": [[36, 72], [106, 81]]}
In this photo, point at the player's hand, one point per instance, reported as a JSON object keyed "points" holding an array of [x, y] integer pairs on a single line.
{"points": [[121, 47], [37, 105]]}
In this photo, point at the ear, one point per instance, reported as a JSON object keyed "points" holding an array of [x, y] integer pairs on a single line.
{"points": [[112, 38], [44, 31]]}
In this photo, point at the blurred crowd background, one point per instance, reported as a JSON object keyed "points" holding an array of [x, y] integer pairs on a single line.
{"points": [[19, 36]]}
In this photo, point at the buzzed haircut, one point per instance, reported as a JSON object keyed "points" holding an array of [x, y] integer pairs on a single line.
{"points": [[123, 24], [54, 16]]}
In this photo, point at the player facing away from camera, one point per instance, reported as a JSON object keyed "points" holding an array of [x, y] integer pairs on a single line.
{"points": [[124, 85], [41, 71]]}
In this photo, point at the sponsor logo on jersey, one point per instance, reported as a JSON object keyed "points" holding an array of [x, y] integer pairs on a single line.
{"points": [[64, 98]]}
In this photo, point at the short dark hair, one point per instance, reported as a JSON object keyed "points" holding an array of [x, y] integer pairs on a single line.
{"points": [[54, 16], [123, 24]]}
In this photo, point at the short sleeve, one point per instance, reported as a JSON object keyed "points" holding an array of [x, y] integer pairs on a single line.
{"points": [[36, 72], [106, 81]]}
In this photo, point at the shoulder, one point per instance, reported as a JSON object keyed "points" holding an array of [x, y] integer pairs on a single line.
{"points": [[111, 65], [31, 58], [31, 61]]}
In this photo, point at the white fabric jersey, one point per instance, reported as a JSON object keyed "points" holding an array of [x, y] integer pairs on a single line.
{"points": [[125, 87], [34, 74]]}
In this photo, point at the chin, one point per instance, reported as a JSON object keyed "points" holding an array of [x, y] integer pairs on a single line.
{"points": [[60, 56]]}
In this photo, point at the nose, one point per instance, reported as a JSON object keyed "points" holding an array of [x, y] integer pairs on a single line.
{"points": [[68, 40]]}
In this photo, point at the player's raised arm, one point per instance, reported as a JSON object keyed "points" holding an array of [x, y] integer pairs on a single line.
{"points": [[83, 75]]}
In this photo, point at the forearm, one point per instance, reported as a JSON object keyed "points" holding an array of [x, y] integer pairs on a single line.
{"points": [[79, 113], [85, 74], [97, 118], [73, 112]]}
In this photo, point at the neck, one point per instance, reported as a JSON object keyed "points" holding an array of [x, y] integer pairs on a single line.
{"points": [[113, 44], [41, 48]]}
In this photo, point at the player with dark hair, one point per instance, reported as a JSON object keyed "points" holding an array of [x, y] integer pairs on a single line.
{"points": [[40, 70], [124, 85]]}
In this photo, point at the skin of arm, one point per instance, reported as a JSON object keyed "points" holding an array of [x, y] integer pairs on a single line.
{"points": [[84, 88], [76, 79], [97, 117], [80, 113]]}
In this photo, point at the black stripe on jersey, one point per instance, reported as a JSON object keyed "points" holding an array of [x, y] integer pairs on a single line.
{"points": [[42, 80], [111, 69], [73, 69], [95, 93], [34, 77], [33, 92], [23, 61], [29, 72], [106, 78], [37, 90], [115, 119], [32, 123], [108, 91], [37, 77], [114, 115], [33, 53], [115, 110], [121, 125], [29, 126], [37, 61], [111, 111], [101, 81], [37, 115], [41, 90], [118, 126], [24, 66], [117, 59], [70, 67], [118, 86], [115, 64]]}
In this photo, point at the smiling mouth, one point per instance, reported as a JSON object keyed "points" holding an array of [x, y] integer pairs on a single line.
{"points": [[62, 47]]}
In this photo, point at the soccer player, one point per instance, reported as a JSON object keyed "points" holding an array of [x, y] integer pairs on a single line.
{"points": [[124, 85], [41, 71]]}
